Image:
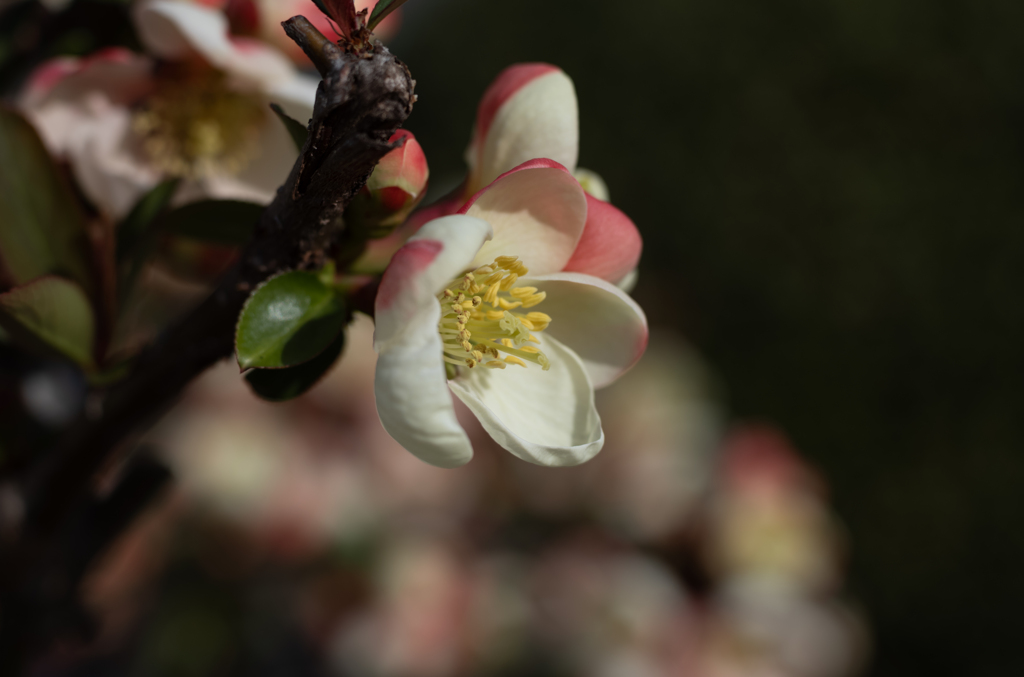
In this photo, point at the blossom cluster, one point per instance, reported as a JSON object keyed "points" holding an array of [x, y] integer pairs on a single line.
{"points": [[508, 294], [491, 319]]}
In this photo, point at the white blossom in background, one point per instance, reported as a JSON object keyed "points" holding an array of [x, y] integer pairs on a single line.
{"points": [[195, 106]]}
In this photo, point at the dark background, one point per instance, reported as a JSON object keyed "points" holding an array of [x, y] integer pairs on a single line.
{"points": [[831, 195]]}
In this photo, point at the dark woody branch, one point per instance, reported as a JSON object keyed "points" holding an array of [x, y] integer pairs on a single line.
{"points": [[364, 97]]}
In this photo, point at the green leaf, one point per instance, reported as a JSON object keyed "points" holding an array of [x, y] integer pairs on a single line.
{"points": [[140, 220], [51, 314], [294, 127], [42, 229], [223, 222], [381, 10], [290, 319], [278, 385]]}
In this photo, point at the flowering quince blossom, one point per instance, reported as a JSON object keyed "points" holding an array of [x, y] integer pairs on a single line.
{"points": [[483, 304], [530, 111], [197, 108]]}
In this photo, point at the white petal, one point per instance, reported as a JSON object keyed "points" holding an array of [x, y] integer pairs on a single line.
{"points": [[596, 319], [544, 417], [173, 29], [413, 403], [538, 212], [104, 157], [259, 181], [540, 120], [439, 252], [122, 76]]}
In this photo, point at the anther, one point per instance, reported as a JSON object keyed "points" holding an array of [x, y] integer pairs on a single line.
{"points": [[534, 300], [512, 359]]}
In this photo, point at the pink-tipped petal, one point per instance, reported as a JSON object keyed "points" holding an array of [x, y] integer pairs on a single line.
{"points": [[611, 244], [413, 400], [596, 319], [438, 253], [118, 74], [379, 252], [529, 111], [538, 212], [544, 417]]}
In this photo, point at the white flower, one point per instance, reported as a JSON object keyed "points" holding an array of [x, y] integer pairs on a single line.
{"points": [[196, 107], [480, 304], [530, 111]]}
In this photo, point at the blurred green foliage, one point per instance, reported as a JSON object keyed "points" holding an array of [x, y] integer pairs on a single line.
{"points": [[831, 195]]}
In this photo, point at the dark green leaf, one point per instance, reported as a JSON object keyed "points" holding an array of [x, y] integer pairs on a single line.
{"points": [[288, 320], [140, 220], [278, 385], [51, 314], [42, 229], [294, 127], [381, 10], [224, 222]]}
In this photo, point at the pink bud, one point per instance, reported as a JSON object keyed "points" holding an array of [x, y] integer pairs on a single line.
{"points": [[394, 188]]}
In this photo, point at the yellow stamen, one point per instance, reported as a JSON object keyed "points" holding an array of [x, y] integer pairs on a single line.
{"points": [[194, 126], [479, 324]]}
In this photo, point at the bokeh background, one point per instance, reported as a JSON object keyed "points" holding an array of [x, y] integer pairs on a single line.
{"points": [[831, 195]]}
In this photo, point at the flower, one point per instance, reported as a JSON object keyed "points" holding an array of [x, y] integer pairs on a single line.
{"points": [[396, 186], [460, 306], [530, 111], [196, 108]]}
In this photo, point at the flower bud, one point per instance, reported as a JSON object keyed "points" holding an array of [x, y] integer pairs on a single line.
{"points": [[395, 187]]}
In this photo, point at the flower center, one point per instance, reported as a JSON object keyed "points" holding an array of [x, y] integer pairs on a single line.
{"points": [[482, 319], [193, 126]]}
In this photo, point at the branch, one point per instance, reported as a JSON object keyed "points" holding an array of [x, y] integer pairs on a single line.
{"points": [[362, 100]]}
